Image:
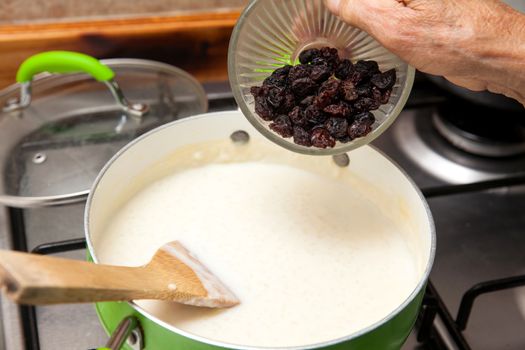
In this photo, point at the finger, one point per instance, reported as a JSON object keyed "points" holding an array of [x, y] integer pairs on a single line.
{"points": [[363, 14], [348, 10], [333, 5], [505, 90], [471, 84]]}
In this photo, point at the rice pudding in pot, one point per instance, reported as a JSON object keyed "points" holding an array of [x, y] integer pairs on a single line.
{"points": [[313, 251]]}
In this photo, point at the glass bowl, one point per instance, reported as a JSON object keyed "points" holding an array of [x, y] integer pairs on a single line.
{"points": [[272, 33]]}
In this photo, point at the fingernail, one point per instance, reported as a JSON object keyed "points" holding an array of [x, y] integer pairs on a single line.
{"points": [[333, 5]]}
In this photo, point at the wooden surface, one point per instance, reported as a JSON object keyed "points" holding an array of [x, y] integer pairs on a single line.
{"points": [[52, 11], [197, 43], [42, 280]]}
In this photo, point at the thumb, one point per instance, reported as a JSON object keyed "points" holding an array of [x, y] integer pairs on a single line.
{"points": [[334, 6], [347, 10]]}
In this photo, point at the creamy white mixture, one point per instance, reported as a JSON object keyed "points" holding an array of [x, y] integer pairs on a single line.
{"points": [[309, 257]]}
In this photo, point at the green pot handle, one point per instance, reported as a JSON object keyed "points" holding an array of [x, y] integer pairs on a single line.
{"points": [[63, 62]]}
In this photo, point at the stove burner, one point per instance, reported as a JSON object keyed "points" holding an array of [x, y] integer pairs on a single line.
{"points": [[418, 138], [481, 130]]}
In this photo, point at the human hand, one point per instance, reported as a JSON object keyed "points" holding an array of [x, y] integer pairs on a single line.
{"points": [[476, 44]]}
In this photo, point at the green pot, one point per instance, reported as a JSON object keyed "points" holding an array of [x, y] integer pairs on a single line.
{"points": [[388, 334]]}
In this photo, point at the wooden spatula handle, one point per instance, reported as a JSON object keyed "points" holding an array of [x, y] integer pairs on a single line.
{"points": [[40, 280]]}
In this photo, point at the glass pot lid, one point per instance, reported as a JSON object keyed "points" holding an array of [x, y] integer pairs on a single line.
{"points": [[58, 131]]}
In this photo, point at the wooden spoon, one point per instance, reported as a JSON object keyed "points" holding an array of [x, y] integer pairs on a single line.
{"points": [[173, 274]]}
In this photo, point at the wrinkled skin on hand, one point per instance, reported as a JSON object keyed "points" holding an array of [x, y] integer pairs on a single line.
{"points": [[477, 44]]}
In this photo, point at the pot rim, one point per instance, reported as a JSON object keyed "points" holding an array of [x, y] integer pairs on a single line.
{"points": [[422, 282]]}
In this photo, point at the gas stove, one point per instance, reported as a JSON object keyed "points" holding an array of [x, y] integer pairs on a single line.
{"points": [[475, 186]]}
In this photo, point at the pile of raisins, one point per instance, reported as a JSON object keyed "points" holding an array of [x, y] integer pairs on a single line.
{"points": [[324, 99]]}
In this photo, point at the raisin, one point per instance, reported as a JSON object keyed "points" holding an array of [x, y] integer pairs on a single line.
{"points": [[374, 105], [301, 137], [303, 87], [278, 78], [261, 105], [376, 94], [257, 91], [320, 73], [344, 69], [307, 101], [331, 57], [349, 91], [364, 104], [384, 80], [282, 72], [314, 115], [364, 90], [367, 118], [358, 130], [280, 99], [297, 116], [386, 96], [370, 67], [299, 72], [308, 55], [331, 87], [283, 126], [340, 110], [262, 110], [328, 93], [288, 103], [357, 77], [324, 99], [337, 127], [361, 126], [363, 71], [344, 139], [329, 53], [272, 81], [381, 96], [321, 138], [275, 96], [319, 61]]}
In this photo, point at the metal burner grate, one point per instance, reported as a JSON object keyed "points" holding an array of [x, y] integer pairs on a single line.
{"points": [[428, 334], [433, 313]]}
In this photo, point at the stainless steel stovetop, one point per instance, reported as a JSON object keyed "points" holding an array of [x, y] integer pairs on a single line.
{"points": [[477, 204]]}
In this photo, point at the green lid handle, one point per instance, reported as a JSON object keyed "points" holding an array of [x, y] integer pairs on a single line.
{"points": [[62, 62], [69, 62]]}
